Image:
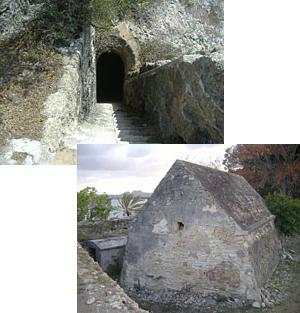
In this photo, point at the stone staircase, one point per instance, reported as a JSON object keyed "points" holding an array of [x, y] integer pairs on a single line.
{"points": [[110, 123]]}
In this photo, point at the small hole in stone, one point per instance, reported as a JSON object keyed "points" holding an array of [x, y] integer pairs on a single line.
{"points": [[180, 226]]}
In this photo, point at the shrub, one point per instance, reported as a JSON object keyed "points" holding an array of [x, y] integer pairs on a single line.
{"points": [[61, 20], [91, 206], [287, 212]]}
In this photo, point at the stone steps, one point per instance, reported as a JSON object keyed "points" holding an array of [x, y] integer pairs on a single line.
{"points": [[110, 123]]}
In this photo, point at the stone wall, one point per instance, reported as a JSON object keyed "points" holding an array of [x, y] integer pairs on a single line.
{"points": [[186, 240], [109, 253], [123, 45], [263, 251], [102, 229], [88, 73], [206, 257], [96, 291], [185, 98], [76, 91]]}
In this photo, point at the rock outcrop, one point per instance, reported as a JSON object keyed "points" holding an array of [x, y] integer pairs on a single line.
{"points": [[13, 15], [187, 26]]}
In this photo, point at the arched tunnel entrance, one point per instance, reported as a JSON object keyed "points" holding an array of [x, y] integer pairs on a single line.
{"points": [[110, 77]]}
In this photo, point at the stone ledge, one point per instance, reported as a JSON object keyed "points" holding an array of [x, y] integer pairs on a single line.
{"points": [[102, 229]]}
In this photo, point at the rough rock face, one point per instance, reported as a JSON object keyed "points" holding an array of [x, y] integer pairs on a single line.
{"points": [[185, 98], [188, 25], [13, 15], [202, 232]]}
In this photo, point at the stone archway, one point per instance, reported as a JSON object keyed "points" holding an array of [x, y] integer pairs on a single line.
{"points": [[110, 77]]}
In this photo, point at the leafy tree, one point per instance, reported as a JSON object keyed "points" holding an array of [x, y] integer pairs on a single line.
{"points": [[268, 168], [90, 206], [129, 203], [287, 213]]}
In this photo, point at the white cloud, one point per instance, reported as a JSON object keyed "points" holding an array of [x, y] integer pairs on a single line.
{"points": [[119, 168]]}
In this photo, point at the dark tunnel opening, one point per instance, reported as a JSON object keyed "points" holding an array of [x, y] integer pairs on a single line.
{"points": [[110, 77]]}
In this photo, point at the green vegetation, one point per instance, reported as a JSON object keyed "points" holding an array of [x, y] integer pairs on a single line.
{"points": [[287, 211], [91, 207], [61, 20], [130, 204]]}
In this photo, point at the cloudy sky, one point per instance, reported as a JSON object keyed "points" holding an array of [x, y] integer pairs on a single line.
{"points": [[115, 169]]}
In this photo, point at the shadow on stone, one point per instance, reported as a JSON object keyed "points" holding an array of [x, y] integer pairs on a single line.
{"points": [[110, 77]]}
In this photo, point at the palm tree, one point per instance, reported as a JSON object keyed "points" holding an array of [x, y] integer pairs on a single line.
{"points": [[129, 203]]}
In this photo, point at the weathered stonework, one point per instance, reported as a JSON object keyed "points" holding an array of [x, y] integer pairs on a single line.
{"points": [[119, 45], [108, 252], [203, 231], [88, 72], [96, 291], [102, 229], [76, 91], [127, 47], [182, 100], [184, 97]]}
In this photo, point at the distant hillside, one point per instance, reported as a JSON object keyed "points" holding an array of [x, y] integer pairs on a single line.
{"points": [[136, 193]]}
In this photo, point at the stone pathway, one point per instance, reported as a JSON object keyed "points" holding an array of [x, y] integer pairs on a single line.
{"points": [[110, 123], [96, 291], [107, 123]]}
